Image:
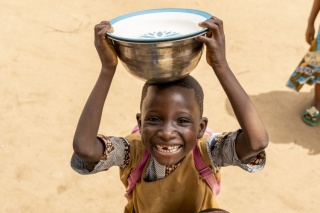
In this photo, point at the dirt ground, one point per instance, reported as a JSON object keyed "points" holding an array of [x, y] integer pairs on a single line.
{"points": [[48, 66]]}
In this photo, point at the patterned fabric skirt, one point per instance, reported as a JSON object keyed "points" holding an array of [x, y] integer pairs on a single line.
{"points": [[308, 70]]}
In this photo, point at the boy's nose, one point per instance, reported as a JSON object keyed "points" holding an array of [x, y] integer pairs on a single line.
{"points": [[167, 131]]}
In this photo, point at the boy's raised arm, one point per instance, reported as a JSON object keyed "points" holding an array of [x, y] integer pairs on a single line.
{"points": [[85, 142], [254, 137]]}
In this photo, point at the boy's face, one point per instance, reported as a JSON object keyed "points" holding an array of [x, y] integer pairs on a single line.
{"points": [[170, 123]]}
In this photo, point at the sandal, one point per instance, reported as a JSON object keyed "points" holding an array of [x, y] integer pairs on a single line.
{"points": [[311, 116]]}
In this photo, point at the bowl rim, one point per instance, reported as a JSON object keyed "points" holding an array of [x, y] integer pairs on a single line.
{"points": [[159, 10]]}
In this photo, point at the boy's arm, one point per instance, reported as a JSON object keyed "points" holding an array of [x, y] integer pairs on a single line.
{"points": [[254, 137], [85, 142]]}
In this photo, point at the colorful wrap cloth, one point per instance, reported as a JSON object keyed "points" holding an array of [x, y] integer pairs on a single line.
{"points": [[308, 70]]}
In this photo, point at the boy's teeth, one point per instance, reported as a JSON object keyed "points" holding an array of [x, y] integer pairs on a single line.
{"points": [[167, 149]]}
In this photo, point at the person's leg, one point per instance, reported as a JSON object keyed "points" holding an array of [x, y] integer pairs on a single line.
{"points": [[311, 115], [316, 99]]}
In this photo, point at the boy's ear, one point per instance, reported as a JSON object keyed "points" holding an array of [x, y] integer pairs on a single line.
{"points": [[138, 117], [203, 126]]}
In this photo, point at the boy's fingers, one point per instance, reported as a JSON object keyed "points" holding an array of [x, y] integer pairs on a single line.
{"points": [[102, 38], [209, 21], [109, 41], [214, 25], [102, 25], [108, 29], [209, 34], [218, 22], [203, 39], [102, 32]]}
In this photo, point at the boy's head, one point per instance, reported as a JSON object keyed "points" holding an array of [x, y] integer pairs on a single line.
{"points": [[171, 119], [187, 82]]}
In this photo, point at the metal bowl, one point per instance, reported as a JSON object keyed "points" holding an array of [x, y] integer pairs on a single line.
{"points": [[159, 61]]}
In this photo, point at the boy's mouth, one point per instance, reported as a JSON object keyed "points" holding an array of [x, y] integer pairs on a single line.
{"points": [[167, 149]]}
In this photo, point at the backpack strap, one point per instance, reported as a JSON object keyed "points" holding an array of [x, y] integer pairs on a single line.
{"points": [[136, 175], [205, 172]]}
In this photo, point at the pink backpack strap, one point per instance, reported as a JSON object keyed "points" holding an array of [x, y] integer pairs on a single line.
{"points": [[205, 172], [136, 175], [135, 129], [208, 131]]}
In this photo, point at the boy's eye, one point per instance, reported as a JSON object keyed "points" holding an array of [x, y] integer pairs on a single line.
{"points": [[153, 119], [184, 121]]}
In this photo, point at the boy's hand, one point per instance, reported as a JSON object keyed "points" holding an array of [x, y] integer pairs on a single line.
{"points": [[104, 46], [215, 42]]}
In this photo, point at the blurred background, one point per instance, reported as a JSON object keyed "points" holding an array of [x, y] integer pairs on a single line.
{"points": [[48, 66]]}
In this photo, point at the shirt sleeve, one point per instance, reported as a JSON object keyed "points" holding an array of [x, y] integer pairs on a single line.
{"points": [[116, 153], [222, 153]]}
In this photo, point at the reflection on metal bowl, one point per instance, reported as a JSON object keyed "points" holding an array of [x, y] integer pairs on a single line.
{"points": [[159, 61]]}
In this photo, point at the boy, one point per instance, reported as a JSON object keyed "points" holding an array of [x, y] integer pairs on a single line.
{"points": [[170, 124]]}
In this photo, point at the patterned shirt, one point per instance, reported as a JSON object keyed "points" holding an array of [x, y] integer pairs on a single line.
{"points": [[220, 148]]}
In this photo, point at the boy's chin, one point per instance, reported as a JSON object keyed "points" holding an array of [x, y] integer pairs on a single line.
{"points": [[168, 161]]}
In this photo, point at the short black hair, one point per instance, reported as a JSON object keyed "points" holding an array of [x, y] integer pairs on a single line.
{"points": [[186, 82]]}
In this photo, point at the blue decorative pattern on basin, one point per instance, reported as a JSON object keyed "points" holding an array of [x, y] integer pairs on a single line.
{"points": [[160, 34]]}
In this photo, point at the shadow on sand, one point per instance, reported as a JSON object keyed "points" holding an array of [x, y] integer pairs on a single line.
{"points": [[281, 114]]}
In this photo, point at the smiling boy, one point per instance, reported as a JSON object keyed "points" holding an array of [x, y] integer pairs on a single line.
{"points": [[170, 120], [171, 130]]}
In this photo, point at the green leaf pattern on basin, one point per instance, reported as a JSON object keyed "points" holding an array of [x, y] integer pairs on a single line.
{"points": [[160, 34]]}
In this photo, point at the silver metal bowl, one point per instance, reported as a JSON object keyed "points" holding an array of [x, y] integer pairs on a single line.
{"points": [[159, 61]]}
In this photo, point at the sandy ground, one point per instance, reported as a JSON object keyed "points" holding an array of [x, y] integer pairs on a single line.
{"points": [[48, 66]]}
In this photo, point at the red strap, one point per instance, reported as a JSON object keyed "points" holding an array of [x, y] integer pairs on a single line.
{"points": [[136, 175], [205, 172]]}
